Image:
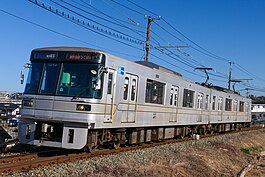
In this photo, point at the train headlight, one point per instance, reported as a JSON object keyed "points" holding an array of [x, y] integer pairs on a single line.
{"points": [[83, 107], [27, 103]]}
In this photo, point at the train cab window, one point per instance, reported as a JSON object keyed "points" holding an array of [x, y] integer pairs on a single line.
{"points": [[79, 80], [154, 92], [228, 104], [235, 105], [241, 106], [214, 102], [126, 88], [220, 103], [188, 98], [133, 90], [110, 80], [34, 77], [199, 100], [206, 102], [49, 79]]}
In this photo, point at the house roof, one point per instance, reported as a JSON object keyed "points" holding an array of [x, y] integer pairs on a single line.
{"points": [[8, 106], [4, 134]]}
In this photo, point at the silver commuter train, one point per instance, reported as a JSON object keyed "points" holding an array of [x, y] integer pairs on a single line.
{"points": [[78, 98]]}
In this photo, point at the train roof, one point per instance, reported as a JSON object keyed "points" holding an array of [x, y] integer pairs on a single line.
{"points": [[158, 67], [73, 49]]}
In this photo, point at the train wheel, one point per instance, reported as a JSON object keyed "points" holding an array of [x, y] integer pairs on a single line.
{"points": [[90, 149], [116, 145]]}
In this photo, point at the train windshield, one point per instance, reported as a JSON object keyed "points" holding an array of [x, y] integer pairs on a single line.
{"points": [[65, 79], [80, 80]]}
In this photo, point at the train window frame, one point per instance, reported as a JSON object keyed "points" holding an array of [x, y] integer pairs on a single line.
{"points": [[247, 107], [235, 106], [133, 89], [174, 95], [110, 82], [171, 96], [126, 88], [214, 103], [241, 106], [188, 98], [154, 92], [206, 102], [228, 104], [220, 103], [200, 100]]}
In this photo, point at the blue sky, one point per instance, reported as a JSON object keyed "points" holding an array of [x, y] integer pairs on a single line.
{"points": [[230, 29]]}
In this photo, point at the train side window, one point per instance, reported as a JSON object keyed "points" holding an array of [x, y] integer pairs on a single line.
{"points": [[154, 92], [235, 105], [214, 102], [241, 106], [206, 102], [110, 80], [220, 103], [133, 91], [171, 96], [228, 104], [247, 107], [126, 88], [188, 98], [199, 100], [176, 97]]}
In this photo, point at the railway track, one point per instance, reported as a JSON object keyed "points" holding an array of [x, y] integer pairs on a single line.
{"points": [[27, 161]]}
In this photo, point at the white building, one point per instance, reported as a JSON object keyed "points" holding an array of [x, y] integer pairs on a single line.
{"points": [[258, 112]]}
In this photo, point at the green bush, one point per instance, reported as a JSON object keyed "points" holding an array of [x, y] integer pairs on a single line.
{"points": [[251, 150]]}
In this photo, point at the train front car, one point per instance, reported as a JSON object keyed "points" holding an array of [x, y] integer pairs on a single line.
{"points": [[62, 89]]}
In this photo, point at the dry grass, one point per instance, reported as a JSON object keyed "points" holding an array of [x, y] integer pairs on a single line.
{"points": [[219, 158]]}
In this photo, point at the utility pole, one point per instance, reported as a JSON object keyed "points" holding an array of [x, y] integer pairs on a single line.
{"points": [[147, 43], [230, 74]]}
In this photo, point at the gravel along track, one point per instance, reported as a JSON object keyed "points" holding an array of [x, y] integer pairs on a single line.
{"points": [[213, 156]]}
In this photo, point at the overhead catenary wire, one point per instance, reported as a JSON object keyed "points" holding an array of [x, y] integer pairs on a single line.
{"points": [[209, 54], [116, 22], [64, 35], [205, 51], [72, 11], [80, 23]]}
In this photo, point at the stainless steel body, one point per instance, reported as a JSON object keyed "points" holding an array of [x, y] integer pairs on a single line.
{"points": [[124, 104]]}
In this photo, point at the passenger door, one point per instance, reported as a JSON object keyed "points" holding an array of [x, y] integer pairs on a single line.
{"points": [[110, 102], [174, 103], [129, 98]]}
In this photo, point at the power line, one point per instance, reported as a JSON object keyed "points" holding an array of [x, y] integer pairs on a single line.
{"points": [[247, 72], [115, 23], [95, 21], [128, 8], [88, 26], [132, 21], [64, 35]]}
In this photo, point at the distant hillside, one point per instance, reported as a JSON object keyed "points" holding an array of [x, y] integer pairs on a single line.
{"points": [[257, 99]]}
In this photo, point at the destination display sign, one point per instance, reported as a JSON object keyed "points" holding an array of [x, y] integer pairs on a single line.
{"points": [[84, 56], [68, 56], [45, 55]]}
